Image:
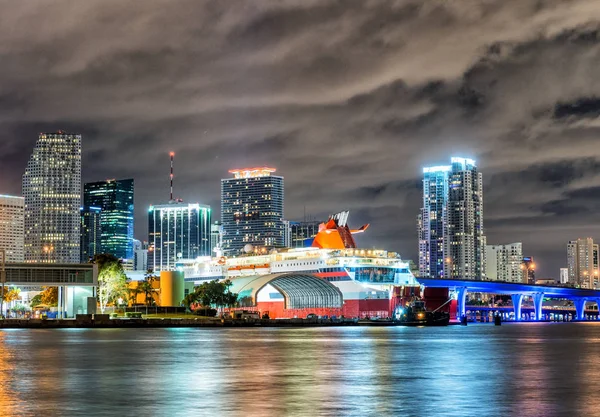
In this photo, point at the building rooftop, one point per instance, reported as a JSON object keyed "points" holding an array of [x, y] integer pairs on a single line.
{"points": [[252, 172]]}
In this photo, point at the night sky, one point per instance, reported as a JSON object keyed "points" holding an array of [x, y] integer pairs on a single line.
{"points": [[347, 99]]}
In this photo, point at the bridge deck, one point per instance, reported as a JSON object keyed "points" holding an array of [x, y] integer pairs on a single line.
{"points": [[498, 287]]}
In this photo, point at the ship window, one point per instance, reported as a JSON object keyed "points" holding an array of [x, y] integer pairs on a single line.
{"points": [[374, 275]]}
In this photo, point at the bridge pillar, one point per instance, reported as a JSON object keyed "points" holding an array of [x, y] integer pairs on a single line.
{"points": [[580, 307], [461, 301], [517, 299], [538, 297]]}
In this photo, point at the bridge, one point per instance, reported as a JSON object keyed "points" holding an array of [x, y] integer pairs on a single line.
{"points": [[517, 291]]}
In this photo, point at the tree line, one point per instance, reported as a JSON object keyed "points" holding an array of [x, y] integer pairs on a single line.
{"points": [[113, 284]]}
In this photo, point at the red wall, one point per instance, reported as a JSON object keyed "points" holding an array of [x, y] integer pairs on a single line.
{"points": [[276, 310], [364, 308], [351, 308]]}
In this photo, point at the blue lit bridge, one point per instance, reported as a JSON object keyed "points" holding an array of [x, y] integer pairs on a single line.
{"points": [[578, 296]]}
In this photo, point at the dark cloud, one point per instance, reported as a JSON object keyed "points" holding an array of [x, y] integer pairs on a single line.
{"points": [[583, 107], [348, 99]]}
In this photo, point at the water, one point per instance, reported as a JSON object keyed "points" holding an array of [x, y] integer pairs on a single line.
{"points": [[479, 370]]}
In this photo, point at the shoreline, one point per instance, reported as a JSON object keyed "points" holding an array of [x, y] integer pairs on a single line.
{"points": [[124, 323], [133, 323]]}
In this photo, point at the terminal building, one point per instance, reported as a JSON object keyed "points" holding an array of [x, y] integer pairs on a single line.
{"points": [[76, 283]]}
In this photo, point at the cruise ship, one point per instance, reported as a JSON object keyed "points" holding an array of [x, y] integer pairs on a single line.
{"points": [[365, 278], [368, 266]]}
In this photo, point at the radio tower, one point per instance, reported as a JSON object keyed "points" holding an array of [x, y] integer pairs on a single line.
{"points": [[172, 154]]}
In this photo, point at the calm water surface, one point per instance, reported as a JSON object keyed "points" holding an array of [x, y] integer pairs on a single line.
{"points": [[479, 370]]}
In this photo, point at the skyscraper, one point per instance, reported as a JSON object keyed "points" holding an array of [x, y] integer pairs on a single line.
{"points": [[451, 239], [115, 199], [177, 231], [582, 262], [528, 270], [90, 233], [432, 222], [503, 262], [52, 191], [12, 218], [252, 209]]}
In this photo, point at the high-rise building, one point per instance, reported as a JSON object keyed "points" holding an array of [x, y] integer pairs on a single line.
{"points": [[466, 241], [252, 209], [451, 235], [115, 199], [528, 270], [12, 227], [564, 275], [140, 256], [582, 262], [52, 191], [177, 231], [303, 233], [432, 222], [503, 262], [216, 237], [90, 233]]}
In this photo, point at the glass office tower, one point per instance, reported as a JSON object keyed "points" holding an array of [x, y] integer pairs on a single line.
{"points": [[90, 233], [177, 231], [115, 199]]}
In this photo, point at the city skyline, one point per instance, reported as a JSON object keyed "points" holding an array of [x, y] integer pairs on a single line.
{"points": [[344, 134], [461, 173]]}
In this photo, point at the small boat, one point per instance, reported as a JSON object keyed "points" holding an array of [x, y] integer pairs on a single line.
{"points": [[415, 314]]}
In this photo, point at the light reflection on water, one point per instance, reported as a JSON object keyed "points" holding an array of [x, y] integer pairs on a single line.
{"points": [[478, 370]]}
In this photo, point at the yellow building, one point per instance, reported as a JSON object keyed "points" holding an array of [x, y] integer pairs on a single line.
{"points": [[167, 291]]}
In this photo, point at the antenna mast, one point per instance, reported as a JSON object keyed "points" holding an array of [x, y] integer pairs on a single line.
{"points": [[172, 154]]}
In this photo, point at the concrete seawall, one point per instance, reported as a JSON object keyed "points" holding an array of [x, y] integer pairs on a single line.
{"points": [[161, 322]]}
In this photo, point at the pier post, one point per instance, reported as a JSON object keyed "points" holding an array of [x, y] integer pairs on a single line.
{"points": [[59, 304], [580, 307], [538, 299], [517, 299], [461, 301]]}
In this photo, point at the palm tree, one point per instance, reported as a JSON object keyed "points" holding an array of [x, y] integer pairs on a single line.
{"points": [[146, 287], [133, 293]]}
